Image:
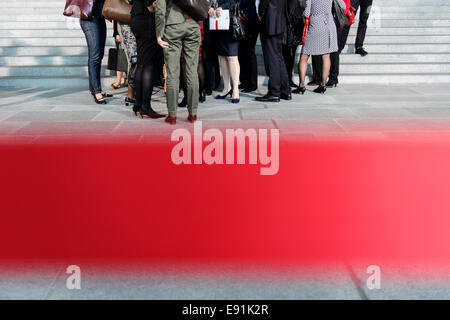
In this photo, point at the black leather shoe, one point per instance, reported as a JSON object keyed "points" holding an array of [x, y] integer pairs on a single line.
{"points": [[247, 90], [268, 98], [361, 51], [292, 84], [286, 96], [313, 83], [208, 92]]}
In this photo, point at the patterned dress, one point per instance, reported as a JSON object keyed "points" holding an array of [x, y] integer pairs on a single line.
{"points": [[322, 35], [128, 39]]}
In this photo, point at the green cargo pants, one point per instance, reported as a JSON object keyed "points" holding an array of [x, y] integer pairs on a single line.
{"points": [[186, 36]]}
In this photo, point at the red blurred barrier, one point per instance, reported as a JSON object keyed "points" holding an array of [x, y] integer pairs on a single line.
{"points": [[329, 201]]}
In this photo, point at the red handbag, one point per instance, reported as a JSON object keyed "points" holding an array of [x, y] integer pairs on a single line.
{"points": [[305, 31], [79, 8], [351, 16]]}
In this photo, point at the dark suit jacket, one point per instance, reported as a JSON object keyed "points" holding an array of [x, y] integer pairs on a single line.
{"points": [[248, 7], [273, 14]]}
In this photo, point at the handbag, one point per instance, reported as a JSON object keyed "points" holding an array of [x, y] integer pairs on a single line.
{"points": [[117, 10], [305, 31], [340, 17], [196, 9], [239, 27], [117, 59], [79, 9]]}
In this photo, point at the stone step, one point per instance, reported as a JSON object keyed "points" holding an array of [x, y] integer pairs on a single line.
{"points": [[53, 82], [59, 9], [49, 71], [388, 68], [398, 48], [81, 59], [63, 41], [424, 16], [77, 33], [394, 78], [354, 68], [43, 51], [70, 23], [413, 41]]}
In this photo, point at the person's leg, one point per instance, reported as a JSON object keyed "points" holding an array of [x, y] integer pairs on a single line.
{"points": [[209, 49], [183, 87], [119, 75], [342, 40], [247, 59], [273, 59], [317, 69], [285, 88], [147, 87], [286, 51], [102, 44], [365, 7], [303, 68], [201, 80], [172, 55], [149, 73], [225, 71], [334, 69], [191, 48], [92, 35], [234, 66], [139, 86], [253, 70], [325, 69], [244, 62]]}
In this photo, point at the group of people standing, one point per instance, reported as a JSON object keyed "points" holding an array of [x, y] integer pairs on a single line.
{"points": [[194, 57]]}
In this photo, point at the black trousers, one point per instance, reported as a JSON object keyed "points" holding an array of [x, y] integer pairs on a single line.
{"points": [[364, 6], [210, 58], [274, 63], [247, 58], [334, 69], [289, 58]]}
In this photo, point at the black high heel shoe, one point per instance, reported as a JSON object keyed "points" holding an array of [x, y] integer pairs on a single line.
{"points": [[152, 114], [320, 89], [219, 97], [99, 101], [299, 89], [106, 95], [129, 101], [136, 109]]}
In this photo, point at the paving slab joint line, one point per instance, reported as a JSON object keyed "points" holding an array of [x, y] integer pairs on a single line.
{"points": [[357, 282], [51, 288]]}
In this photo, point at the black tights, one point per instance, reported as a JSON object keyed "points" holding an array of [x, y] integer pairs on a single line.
{"points": [[144, 82], [201, 78]]}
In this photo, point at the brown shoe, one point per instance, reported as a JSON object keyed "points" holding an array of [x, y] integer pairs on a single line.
{"points": [[192, 118], [171, 120]]}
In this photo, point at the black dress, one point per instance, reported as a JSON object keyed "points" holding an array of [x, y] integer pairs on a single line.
{"points": [[142, 24], [225, 45], [149, 56]]}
